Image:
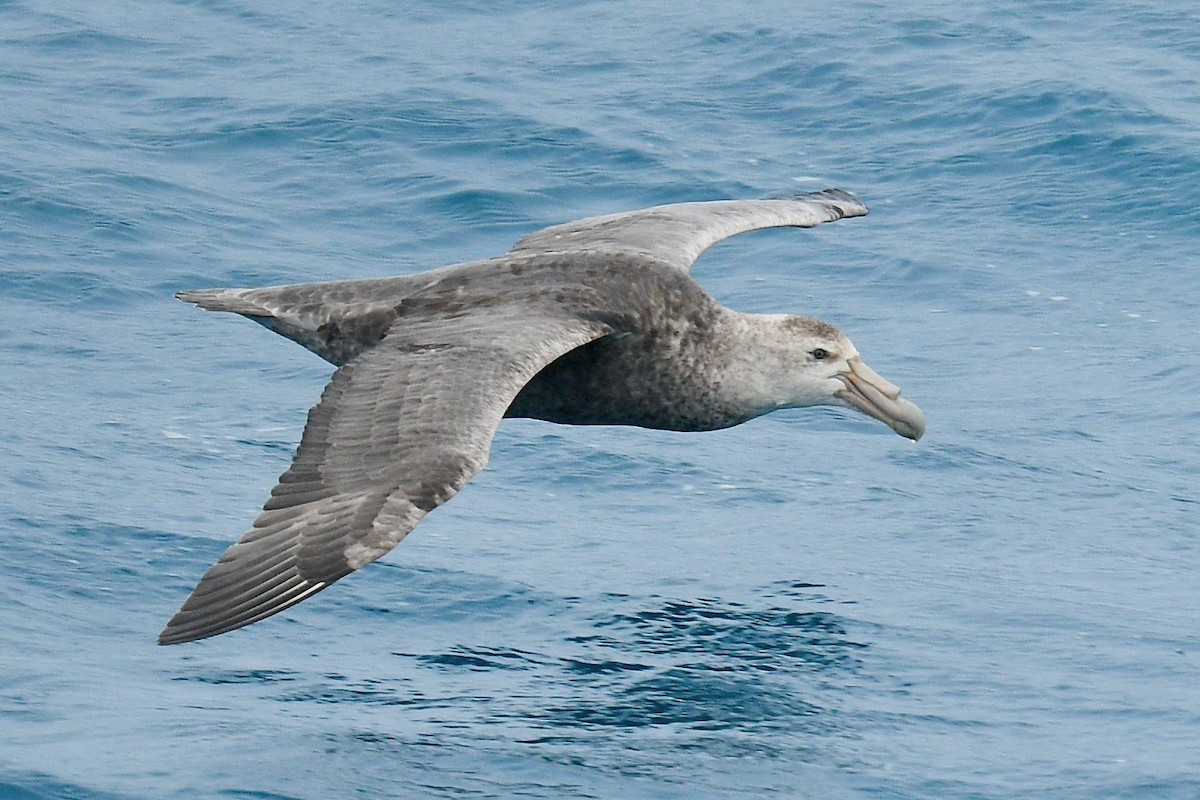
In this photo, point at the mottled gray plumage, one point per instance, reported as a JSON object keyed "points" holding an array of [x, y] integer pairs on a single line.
{"points": [[593, 322]]}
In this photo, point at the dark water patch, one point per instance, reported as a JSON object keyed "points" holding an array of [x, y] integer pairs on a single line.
{"points": [[338, 690], [691, 696], [699, 665], [254, 677], [479, 658], [275, 445], [705, 666], [727, 635], [605, 667], [798, 590]]}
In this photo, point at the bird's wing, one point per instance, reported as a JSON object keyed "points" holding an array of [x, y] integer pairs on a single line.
{"points": [[398, 431], [677, 234]]}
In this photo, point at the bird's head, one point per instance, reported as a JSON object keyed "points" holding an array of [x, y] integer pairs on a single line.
{"points": [[815, 364]]}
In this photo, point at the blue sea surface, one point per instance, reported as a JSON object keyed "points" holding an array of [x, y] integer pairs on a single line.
{"points": [[803, 606]]}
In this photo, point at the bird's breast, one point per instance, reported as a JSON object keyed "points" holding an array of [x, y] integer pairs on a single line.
{"points": [[664, 379]]}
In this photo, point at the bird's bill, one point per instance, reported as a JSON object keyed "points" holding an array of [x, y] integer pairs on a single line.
{"points": [[872, 394]]}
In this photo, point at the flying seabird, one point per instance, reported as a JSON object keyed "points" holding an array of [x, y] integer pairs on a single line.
{"points": [[595, 322]]}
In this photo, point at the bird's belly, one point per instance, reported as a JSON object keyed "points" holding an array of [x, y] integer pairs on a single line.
{"points": [[625, 382]]}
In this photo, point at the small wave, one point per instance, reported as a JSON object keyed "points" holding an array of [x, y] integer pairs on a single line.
{"points": [[260, 677]]}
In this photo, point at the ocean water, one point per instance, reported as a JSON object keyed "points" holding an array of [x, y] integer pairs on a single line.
{"points": [[803, 606]]}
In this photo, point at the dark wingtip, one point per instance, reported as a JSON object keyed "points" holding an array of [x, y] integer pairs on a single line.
{"points": [[166, 638], [194, 296], [213, 610], [178, 631], [852, 206]]}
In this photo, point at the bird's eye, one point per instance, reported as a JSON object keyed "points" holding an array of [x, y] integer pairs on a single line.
{"points": [[820, 354]]}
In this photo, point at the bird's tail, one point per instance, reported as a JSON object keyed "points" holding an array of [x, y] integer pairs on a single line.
{"points": [[232, 300], [327, 318]]}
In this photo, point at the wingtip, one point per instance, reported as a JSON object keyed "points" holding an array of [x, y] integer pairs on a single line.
{"points": [[177, 631], [165, 637], [185, 632], [168, 636], [203, 616], [846, 203]]}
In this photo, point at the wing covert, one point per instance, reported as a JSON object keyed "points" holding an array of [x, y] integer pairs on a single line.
{"points": [[677, 234]]}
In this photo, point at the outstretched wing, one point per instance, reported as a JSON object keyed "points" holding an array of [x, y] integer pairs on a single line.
{"points": [[677, 234], [398, 431]]}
